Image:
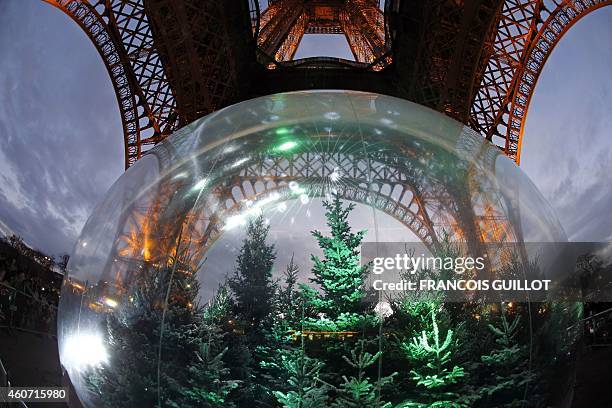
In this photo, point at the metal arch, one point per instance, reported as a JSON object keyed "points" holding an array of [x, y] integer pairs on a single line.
{"points": [[152, 224], [556, 25], [525, 36], [417, 222], [130, 20], [386, 189], [149, 237], [120, 32]]}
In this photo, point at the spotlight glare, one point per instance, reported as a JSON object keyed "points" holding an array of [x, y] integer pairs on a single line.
{"points": [[84, 350], [335, 175]]}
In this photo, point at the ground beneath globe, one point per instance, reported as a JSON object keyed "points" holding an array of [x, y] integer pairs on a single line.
{"points": [[41, 367]]}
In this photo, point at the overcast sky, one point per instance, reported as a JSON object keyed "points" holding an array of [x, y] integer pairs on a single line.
{"points": [[61, 143]]}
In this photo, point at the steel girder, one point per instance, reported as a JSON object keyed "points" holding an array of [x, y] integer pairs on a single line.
{"points": [[170, 215], [284, 23], [517, 49], [439, 71], [511, 59], [121, 34]]}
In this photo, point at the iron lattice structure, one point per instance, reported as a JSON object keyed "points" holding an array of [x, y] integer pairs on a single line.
{"points": [[524, 37], [172, 61], [284, 22], [124, 40], [168, 218]]}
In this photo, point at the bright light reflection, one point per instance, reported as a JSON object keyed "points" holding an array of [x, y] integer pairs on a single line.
{"points": [[254, 210], [199, 185], [331, 115], [282, 131], [335, 176], [383, 309], [110, 302], [234, 221], [84, 350], [295, 187], [241, 161], [287, 146]]}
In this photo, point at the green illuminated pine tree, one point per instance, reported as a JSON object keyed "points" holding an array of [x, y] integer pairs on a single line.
{"points": [[434, 371], [300, 376], [339, 273], [359, 391], [305, 389]]}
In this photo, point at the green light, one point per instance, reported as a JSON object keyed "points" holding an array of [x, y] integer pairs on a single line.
{"points": [[283, 131], [287, 146]]}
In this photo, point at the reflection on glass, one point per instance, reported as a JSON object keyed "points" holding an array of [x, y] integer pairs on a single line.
{"points": [[223, 268]]}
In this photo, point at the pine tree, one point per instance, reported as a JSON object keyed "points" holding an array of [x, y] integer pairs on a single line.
{"points": [[359, 391], [289, 296], [339, 274], [305, 387], [251, 341], [208, 384], [219, 309], [434, 370], [165, 352], [154, 336], [506, 366], [252, 286]]}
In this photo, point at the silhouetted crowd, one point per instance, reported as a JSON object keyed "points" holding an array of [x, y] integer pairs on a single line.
{"points": [[29, 290]]}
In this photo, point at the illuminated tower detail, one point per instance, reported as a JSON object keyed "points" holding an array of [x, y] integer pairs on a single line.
{"points": [[173, 61]]}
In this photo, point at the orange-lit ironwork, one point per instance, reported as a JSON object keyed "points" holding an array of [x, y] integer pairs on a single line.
{"points": [[122, 36], [517, 49], [173, 61], [322, 335], [284, 23]]}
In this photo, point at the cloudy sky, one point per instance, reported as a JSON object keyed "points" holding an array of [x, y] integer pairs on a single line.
{"points": [[61, 144]]}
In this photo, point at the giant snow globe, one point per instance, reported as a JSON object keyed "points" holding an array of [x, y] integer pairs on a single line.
{"points": [[256, 258]]}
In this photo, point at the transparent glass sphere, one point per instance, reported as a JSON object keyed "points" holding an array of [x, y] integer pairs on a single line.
{"points": [[178, 289]]}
